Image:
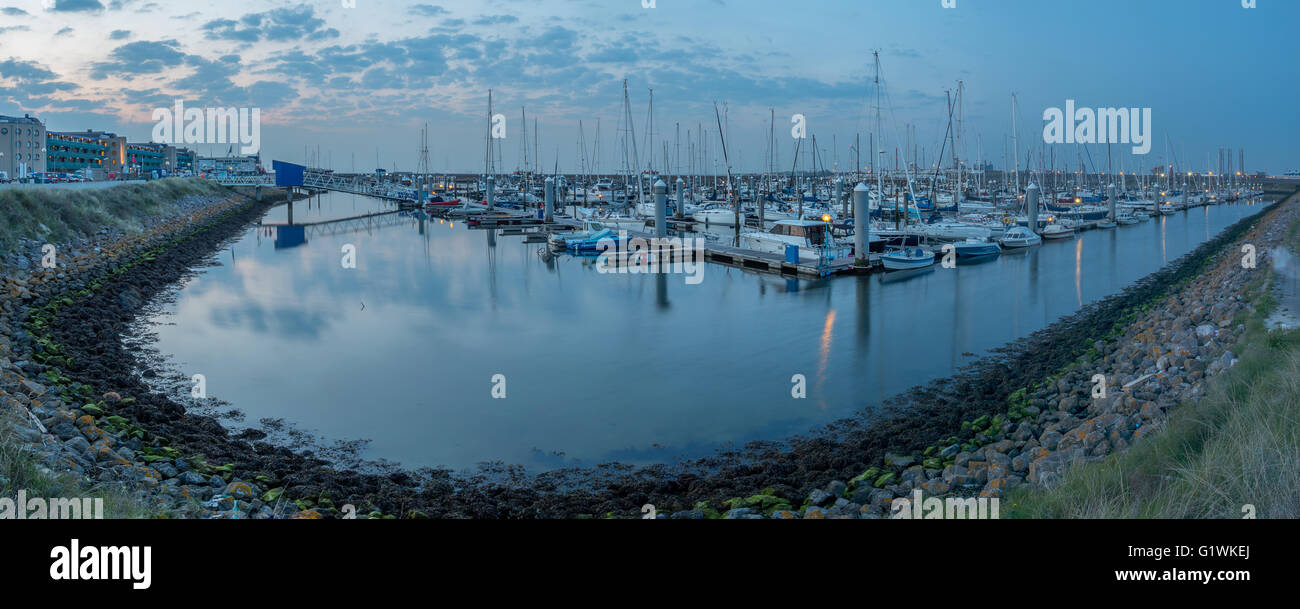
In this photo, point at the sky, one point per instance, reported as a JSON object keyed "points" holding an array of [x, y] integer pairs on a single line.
{"points": [[351, 87]]}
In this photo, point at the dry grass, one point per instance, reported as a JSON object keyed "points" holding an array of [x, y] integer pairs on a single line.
{"points": [[58, 215]]}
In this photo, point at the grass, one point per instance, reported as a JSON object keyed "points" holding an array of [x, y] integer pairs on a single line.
{"points": [[1237, 446], [20, 469], [58, 215]]}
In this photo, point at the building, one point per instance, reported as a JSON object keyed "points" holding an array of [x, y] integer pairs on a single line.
{"points": [[69, 152], [72, 150], [233, 165], [22, 146]]}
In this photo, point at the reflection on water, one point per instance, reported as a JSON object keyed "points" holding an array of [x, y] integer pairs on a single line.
{"points": [[640, 368]]}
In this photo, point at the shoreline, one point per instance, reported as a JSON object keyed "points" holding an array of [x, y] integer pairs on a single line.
{"points": [[240, 475]]}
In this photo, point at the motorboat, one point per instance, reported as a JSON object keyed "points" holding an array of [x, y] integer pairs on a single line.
{"points": [[975, 248], [905, 258], [1020, 236], [813, 238], [1057, 231]]}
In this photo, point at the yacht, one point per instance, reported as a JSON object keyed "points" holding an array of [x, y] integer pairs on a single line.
{"points": [[813, 239]]}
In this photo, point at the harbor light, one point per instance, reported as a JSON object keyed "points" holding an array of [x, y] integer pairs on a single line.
{"points": [[826, 217]]}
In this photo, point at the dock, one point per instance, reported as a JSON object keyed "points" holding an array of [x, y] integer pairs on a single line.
{"points": [[528, 225]]}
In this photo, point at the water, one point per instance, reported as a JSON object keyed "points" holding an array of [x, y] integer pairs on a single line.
{"points": [[402, 350]]}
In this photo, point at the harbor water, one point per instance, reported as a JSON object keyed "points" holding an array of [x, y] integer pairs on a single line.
{"points": [[446, 346]]}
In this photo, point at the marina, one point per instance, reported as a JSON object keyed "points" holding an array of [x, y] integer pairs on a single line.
{"points": [[495, 303]]}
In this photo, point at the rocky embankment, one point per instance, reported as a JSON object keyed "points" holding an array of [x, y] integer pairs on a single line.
{"points": [[1160, 356], [70, 428]]}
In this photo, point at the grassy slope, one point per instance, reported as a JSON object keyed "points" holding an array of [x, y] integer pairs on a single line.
{"points": [[70, 213], [1238, 445]]}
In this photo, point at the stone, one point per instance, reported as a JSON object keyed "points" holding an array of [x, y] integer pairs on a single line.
{"points": [[949, 451], [814, 513], [837, 488], [1050, 440], [78, 444], [820, 498]]}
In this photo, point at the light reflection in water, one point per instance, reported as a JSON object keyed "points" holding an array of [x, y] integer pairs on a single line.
{"points": [[1078, 270]]}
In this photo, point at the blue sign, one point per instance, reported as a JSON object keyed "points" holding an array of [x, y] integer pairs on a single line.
{"points": [[287, 174]]}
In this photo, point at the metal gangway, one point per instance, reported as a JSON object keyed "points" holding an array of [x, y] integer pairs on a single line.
{"points": [[288, 174]]}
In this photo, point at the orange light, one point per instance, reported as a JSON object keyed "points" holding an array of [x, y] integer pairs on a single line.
{"points": [[826, 217]]}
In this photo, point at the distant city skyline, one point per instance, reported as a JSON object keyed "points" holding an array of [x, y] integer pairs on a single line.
{"points": [[357, 84]]}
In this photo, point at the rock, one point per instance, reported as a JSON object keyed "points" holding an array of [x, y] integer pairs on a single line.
{"points": [[688, 515], [739, 513], [899, 461], [78, 445], [837, 488], [814, 513], [949, 451], [862, 495], [192, 479], [820, 498], [166, 469], [240, 490], [1050, 440], [784, 515]]}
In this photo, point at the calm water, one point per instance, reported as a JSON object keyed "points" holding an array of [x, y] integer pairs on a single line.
{"points": [[402, 349]]}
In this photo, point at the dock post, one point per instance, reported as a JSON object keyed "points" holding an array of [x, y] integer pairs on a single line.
{"points": [[1031, 206], [258, 193], [491, 193], [839, 197], [1110, 196], [290, 199], [550, 199], [860, 225], [661, 209], [680, 213]]}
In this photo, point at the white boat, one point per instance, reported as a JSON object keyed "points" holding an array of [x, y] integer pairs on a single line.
{"points": [[1124, 219], [713, 214], [1020, 236], [813, 239], [1107, 224], [903, 258], [1056, 231], [950, 230]]}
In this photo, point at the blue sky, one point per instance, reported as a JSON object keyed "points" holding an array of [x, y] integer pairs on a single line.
{"points": [[354, 80]]}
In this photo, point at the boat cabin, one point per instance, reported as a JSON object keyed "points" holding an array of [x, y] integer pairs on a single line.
{"points": [[814, 232]]}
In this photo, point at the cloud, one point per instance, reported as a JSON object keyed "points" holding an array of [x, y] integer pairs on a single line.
{"points": [[14, 12], [495, 20], [142, 57], [119, 35], [277, 25], [428, 10], [77, 6]]}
